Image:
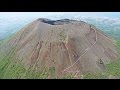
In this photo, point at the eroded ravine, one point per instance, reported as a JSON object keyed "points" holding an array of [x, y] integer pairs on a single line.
{"points": [[86, 50]]}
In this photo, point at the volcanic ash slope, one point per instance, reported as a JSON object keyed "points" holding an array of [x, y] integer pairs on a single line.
{"points": [[67, 45]]}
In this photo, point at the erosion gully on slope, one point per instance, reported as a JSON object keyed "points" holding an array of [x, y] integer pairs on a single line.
{"points": [[86, 50]]}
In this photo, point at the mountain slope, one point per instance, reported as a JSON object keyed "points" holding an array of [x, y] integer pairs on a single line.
{"points": [[67, 46]]}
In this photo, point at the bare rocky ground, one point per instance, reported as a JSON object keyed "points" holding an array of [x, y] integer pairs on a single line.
{"points": [[69, 46]]}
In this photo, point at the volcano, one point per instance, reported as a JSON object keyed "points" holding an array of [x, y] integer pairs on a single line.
{"points": [[68, 46]]}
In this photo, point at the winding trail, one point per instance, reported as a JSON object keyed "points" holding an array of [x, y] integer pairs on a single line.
{"points": [[86, 50]]}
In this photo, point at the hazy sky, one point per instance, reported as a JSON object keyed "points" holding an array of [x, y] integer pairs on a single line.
{"points": [[10, 22], [45, 14]]}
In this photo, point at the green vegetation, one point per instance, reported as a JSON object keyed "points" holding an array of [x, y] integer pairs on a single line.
{"points": [[62, 36], [118, 44], [95, 76], [6, 40], [109, 27], [70, 76], [114, 68], [13, 69], [10, 69]]}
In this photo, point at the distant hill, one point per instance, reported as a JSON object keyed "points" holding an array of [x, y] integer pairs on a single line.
{"points": [[111, 26]]}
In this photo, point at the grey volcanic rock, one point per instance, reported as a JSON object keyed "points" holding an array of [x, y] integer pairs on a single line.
{"points": [[56, 22]]}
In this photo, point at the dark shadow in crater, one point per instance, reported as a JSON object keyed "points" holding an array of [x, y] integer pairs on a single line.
{"points": [[55, 22]]}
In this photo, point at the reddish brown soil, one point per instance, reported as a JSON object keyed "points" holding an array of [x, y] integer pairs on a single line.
{"points": [[74, 47]]}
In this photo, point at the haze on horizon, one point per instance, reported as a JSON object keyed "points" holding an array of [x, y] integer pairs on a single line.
{"points": [[10, 22], [47, 14]]}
